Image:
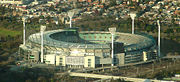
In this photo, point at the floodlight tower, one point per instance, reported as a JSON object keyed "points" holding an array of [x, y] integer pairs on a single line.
{"points": [[42, 29], [112, 31], [70, 14], [159, 39], [24, 30], [132, 15]]}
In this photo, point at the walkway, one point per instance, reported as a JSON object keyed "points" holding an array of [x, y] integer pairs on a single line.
{"points": [[110, 77]]}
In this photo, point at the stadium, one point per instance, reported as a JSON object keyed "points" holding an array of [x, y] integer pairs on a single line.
{"points": [[88, 49]]}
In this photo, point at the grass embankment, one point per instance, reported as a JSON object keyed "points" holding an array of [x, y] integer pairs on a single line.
{"points": [[5, 32], [9, 41]]}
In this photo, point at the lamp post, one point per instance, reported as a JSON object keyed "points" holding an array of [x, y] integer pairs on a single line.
{"points": [[159, 45], [24, 30], [42, 29], [112, 31], [132, 15], [70, 14]]}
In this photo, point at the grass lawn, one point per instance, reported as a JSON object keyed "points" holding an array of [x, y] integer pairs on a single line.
{"points": [[6, 32]]}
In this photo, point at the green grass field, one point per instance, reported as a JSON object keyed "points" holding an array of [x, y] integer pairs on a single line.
{"points": [[6, 32]]}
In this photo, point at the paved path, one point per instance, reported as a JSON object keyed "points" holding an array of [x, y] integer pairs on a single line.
{"points": [[174, 57], [110, 77]]}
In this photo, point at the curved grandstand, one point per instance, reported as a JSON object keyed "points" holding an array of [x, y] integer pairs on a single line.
{"points": [[70, 48]]}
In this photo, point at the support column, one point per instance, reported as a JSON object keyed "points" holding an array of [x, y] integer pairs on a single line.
{"points": [[70, 22], [42, 52], [112, 51], [132, 26], [159, 39], [70, 14], [112, 31], [103, 67], [24, 31], [132, 15], [42, 48]]}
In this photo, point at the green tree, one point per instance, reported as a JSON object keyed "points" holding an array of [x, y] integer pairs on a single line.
{"points": [[112, 3]]}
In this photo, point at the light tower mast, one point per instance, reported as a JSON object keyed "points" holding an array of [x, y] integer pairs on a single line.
{"points": [[132, 15], [42, 29], [159, 39], [112, 31], [70, 14], [24, 30]]}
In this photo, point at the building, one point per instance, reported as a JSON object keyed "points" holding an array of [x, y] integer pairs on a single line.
{"points": [[11, 1], [88, 49], [72, 0], [16, 1]]}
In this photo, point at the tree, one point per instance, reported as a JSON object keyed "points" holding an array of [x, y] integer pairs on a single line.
{"points": [[112, 3]]}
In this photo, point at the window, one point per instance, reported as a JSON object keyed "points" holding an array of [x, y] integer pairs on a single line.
{"points": [[106, 55], [60, 61], [89, 62], [94, 36], [47, 61], [100, 37], [60, 58], [90, 37], [31, 57]]}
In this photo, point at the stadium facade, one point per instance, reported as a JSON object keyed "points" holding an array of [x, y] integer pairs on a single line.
{"points": [[88, 49]]}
